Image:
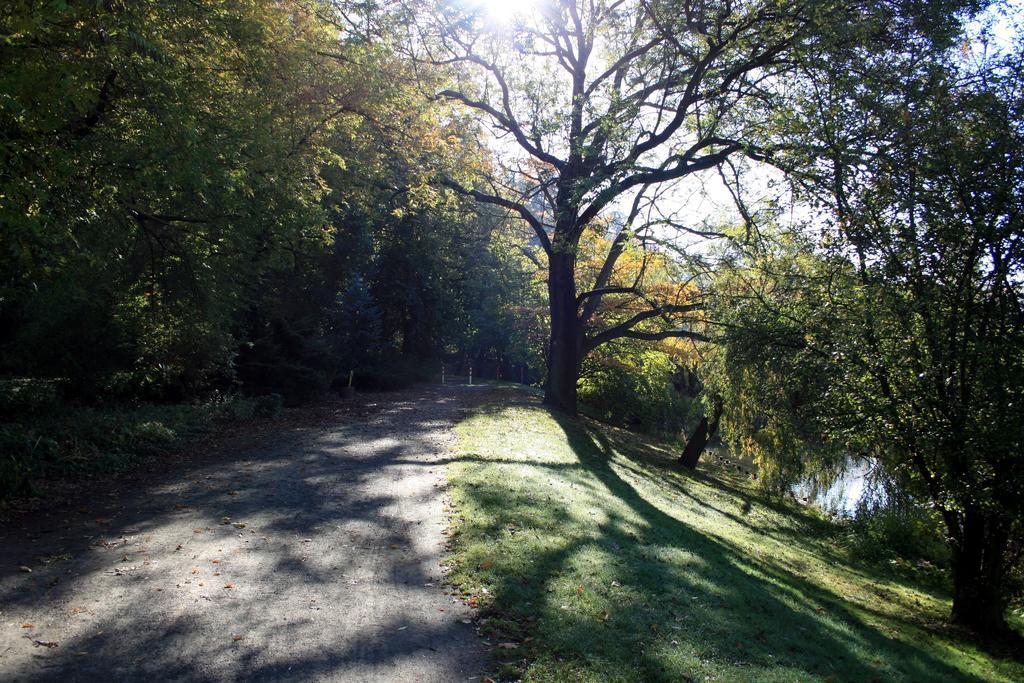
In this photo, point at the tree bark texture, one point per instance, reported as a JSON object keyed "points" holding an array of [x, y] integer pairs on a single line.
{"points": [[706, 430], [979, 573], [564, 347]]}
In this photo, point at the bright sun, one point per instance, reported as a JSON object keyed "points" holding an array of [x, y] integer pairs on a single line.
{"points": [[505, 11]]}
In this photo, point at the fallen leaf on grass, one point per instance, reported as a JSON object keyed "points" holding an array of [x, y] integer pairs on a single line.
{"points": [[507, 646], [581, 590], [486, 564]]}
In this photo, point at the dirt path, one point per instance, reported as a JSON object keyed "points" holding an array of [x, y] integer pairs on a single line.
{"points": [[314, 556]]}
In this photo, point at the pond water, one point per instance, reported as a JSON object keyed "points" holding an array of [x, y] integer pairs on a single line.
{"points": [[838, 499], [842, 497]]}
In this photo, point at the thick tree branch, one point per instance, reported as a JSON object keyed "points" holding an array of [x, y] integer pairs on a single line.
{"points": [[524, 213], [507, 122], [626, 328]]}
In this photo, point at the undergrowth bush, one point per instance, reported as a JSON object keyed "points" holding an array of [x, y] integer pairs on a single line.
{"points": [[902, 535], [28, 396], [77, 440], [390, 375], [634, 388]]}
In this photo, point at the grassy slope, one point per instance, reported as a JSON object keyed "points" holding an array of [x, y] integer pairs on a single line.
{"points": [[592, 558]]}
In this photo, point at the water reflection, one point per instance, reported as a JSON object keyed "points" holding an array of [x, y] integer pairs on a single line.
{"points": [[841, 496]]}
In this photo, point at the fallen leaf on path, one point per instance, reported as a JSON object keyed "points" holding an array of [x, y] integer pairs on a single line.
{"points": [[229, 585], [42, 643], [23, 568], [28, 625], [238, 525], [237, 637]]}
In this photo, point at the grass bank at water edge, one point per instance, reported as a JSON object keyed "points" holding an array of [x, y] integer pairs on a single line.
{"points": [[591, 557]]}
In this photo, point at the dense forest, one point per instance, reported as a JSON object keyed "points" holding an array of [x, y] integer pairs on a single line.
{"points": [[794, 228]]}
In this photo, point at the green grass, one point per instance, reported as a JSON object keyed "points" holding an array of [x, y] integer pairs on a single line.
{"points": [[592, 558]]}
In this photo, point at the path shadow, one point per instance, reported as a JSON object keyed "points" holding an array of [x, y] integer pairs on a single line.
{"points": [[306, 547]]}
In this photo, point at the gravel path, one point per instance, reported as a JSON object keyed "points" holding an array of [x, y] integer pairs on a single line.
{"points": [[314, 555]]}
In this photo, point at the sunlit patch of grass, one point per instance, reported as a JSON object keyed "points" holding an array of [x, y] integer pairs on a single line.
{"points": [[592, 557]]}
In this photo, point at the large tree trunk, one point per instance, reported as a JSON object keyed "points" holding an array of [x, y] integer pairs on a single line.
{"points": [[564, 349], [979, 574], [706, 430]]}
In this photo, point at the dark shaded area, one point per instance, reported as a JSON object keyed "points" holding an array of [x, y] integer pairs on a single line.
{"points": [[334, 569]]}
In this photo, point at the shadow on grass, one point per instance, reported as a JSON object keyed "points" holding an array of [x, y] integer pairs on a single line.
{"points": [[660, 600]]}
